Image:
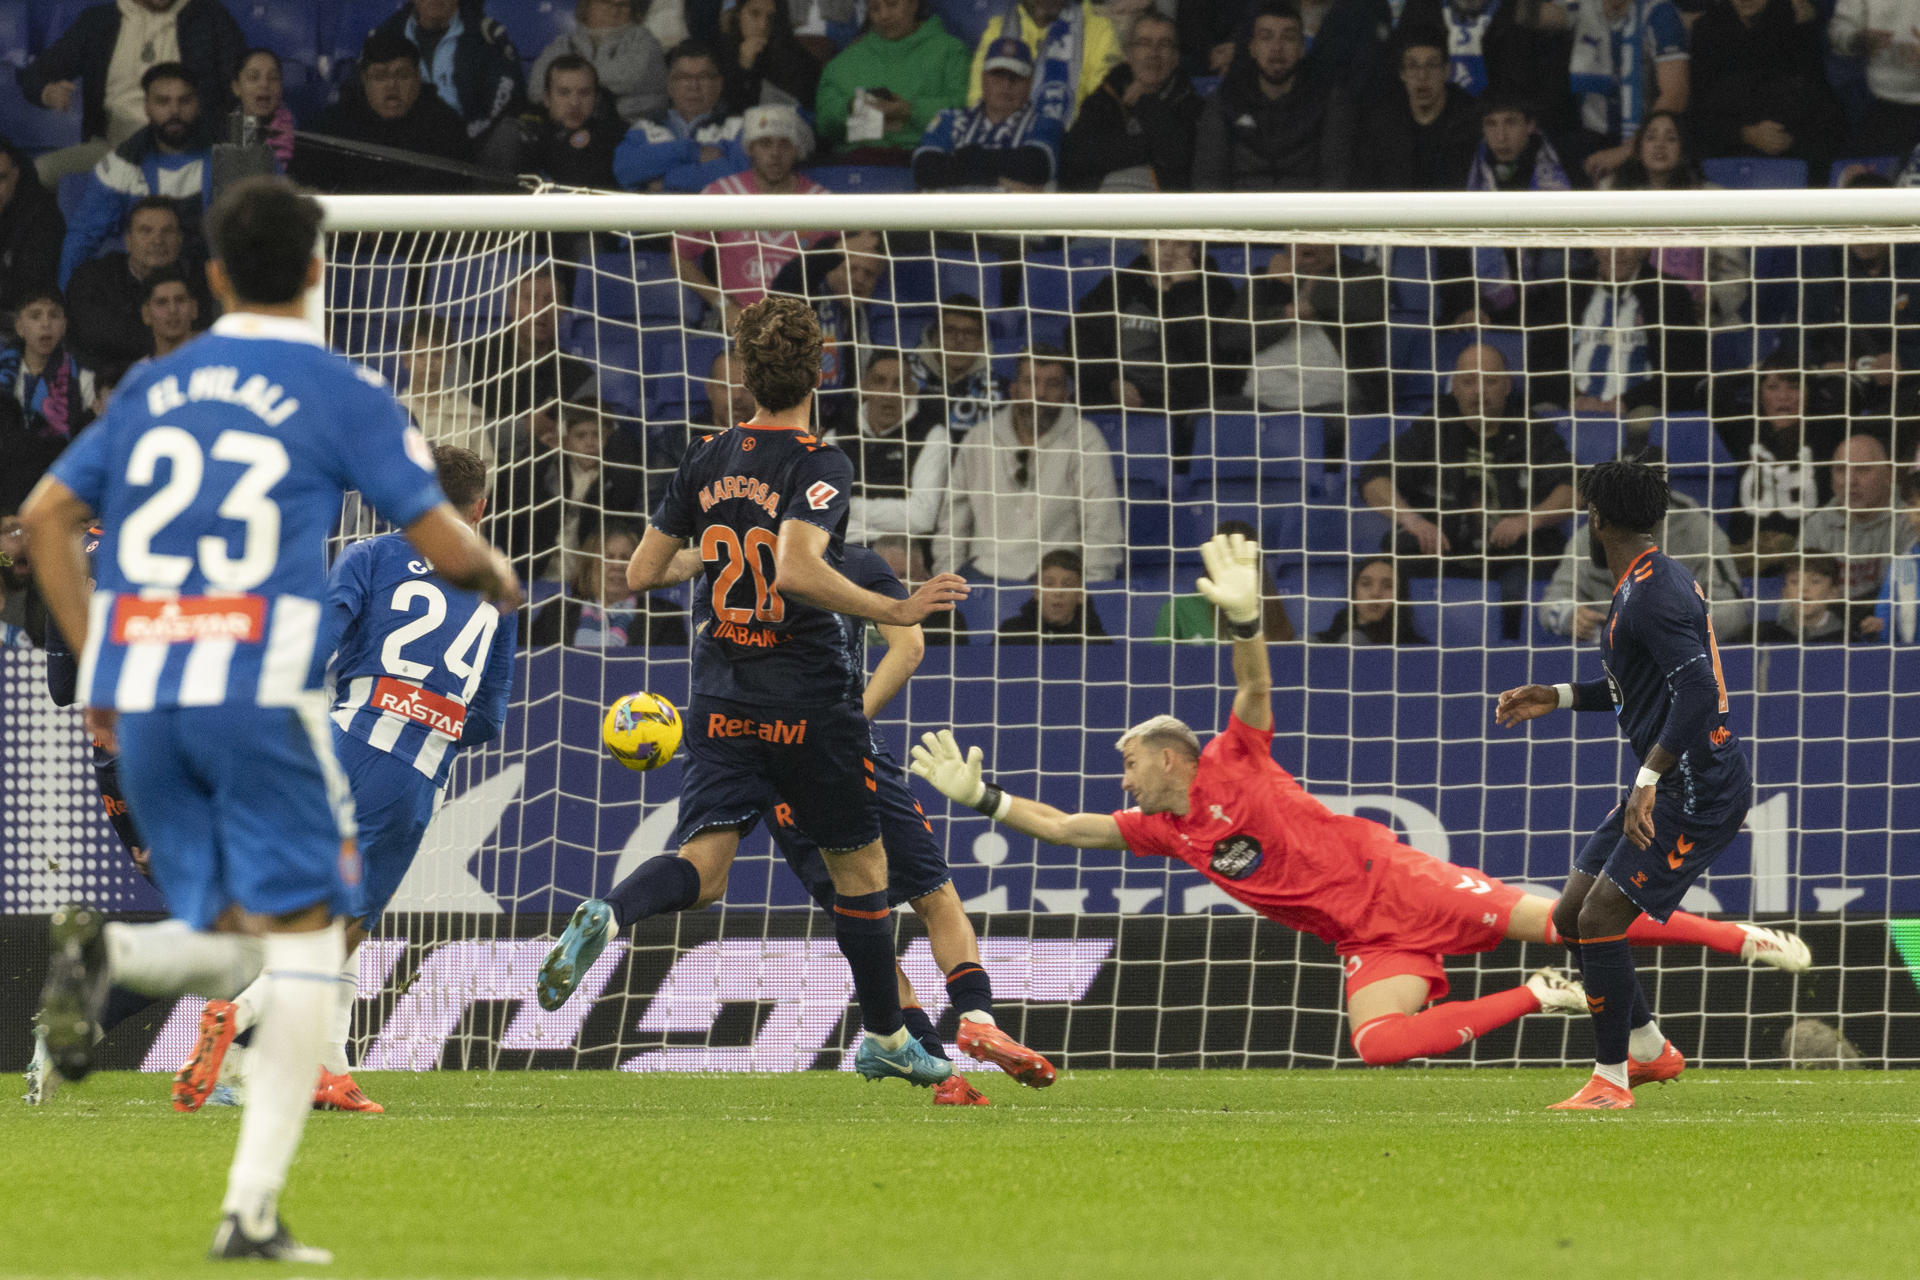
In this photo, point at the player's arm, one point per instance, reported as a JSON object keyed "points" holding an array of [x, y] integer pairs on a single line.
{"points": [[1232, 584], [1695, 696], [659, 561], [488, 711], [801, 571], [1517, 706], [459, 555], [937, 759], [905, 647]]}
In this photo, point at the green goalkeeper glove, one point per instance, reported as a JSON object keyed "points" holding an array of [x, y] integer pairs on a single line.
{"points": [[1232, 583]]}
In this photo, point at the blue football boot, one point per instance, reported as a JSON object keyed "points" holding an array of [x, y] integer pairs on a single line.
{"points": [[586, 936], [910, 1062]]}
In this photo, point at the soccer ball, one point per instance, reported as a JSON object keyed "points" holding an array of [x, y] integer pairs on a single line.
{"points": [[642, 731]]}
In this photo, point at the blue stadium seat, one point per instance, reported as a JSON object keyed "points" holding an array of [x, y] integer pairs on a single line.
{"points": [[34, 128], [1046, 283], [966, 19], [53, 17], [533, 24], [984, 276], [72, 189], [909, 280], [1885, 166], [1755, 172], [476, 288], [17, 41], [290, 30], [352, 20], [1593, 438], [869, 178], [1410, 280]]}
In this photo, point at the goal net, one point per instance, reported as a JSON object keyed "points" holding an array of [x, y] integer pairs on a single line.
{"points": [[1393, 395]]}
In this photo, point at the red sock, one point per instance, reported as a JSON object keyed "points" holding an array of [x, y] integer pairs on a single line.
{"points": [[1687, 930], [1396, 1037]]}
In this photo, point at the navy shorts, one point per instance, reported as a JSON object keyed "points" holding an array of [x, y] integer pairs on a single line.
{"points": [[243, 805], [916, 866], [392, 805], [743, 760], [1657, 877]]}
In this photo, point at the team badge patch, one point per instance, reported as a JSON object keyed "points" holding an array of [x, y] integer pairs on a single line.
{"points": [[1237, 857], [820, 494]]}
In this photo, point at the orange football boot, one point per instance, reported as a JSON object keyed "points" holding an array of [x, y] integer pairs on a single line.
{"points": [[340, 1093], [195, 1080], [1597, 1095], [1665, 1067], [955, 1091], [988, 1043]]}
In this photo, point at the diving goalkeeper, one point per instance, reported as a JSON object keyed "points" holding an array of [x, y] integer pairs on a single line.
{"points": [[1391, 912]]}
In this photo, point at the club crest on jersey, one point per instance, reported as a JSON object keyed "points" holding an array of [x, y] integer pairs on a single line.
{"points": [[1237, 857], [820, 493]]}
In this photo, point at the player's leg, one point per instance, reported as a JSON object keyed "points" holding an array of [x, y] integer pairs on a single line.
{"points": [[1386, 992], [1613, 991], [1533, 920], [956, 949]]}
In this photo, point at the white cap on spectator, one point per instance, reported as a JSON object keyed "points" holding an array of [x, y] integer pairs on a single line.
{"points": [[776, 122]]}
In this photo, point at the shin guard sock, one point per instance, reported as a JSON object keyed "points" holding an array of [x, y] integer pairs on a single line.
{"points": [[302, 972], [1396, 1037], [657, 887], [1644, 1040], [1611, 984], [970, 992], [1682, 929], [167, 959], [346, 993], [920, 1027], [863, 926]]}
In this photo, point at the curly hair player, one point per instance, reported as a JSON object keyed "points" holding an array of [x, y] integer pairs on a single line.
{"points": [[1392, 912]]}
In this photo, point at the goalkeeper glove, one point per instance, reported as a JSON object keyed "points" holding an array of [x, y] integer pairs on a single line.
{"points": [[957, 777], [1232, 583]]}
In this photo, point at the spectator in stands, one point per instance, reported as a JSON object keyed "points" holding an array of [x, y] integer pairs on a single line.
{"points": [[1633, 341], [1578, 597], [110, 48], [1422, 138], [1884, 34], [950, 373], [1317, 313], [1035, 475], [596, 474], [1862, 318], [471, 65], [1661, 159], [1812, 608], [1194, 617], [728, 400], [106, 294], [1072, 32], [1781, 450], [1277, 123], [1059, 610], [1514, 155], [1759, 77], [877, 97], [744, 263], [519, 369], [883, 441], [169, 312], [1477, 489], [761, 62], [693, 141], [837, 277], [32, 228], [1897, 615], [170, 157], [1136, 132], [388, 107], [1378, 609], [1010, 141], [908, 560], [1629, 59], [596, 610], [630, 64], [443, 411], [571, 139], [1155, 333], [52, 394], [1858, 527], [259, 89], [1498, 48]]}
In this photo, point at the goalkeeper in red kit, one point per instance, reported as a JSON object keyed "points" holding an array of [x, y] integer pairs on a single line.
{"points": [[1391, 912]]}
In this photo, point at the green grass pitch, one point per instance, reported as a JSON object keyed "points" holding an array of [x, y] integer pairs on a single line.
{"points": [[1390, 1175]]}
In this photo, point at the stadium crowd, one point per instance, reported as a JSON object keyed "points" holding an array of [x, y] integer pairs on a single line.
{"points": [[1397, 425]]}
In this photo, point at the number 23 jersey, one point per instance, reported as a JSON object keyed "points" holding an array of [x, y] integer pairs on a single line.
{"points": [[728, 500], [423, 667]]}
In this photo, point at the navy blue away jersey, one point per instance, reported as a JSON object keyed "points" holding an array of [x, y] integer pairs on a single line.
{"points": [[867, 569], [728, 499], [1658, 639]]}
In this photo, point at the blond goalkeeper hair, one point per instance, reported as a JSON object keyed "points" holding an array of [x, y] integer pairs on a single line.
{"points": [[1162, 733]]}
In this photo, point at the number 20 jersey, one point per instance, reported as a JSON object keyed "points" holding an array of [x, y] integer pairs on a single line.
{"points": [[218, 472], [423, 667], [729, 498]]}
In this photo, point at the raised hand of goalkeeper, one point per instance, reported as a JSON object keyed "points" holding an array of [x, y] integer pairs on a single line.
{"points": [[957, 777], [1232, 581]]}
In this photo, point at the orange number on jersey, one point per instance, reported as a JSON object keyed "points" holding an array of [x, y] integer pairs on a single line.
{"points": [[740, 557]]}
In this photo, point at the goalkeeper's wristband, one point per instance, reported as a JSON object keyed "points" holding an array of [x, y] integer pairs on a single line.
{"points": [[1248, 630], [1645, 778], [993, 802]]}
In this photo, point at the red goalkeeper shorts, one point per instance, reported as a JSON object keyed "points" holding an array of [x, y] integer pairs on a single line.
{"points": [[1424, 911]]}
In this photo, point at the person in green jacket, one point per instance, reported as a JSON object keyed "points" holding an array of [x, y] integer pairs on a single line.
{"points": [[911, 70]]}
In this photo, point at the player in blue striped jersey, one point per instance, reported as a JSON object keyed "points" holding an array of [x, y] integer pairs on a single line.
{"points": [[423, 669], [218, 472]]}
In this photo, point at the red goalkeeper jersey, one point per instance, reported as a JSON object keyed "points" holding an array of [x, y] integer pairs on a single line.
{"points": [[1252, 830]]}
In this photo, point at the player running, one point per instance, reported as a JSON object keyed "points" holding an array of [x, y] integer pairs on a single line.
{"points": [[1391, 912], [1661, 675], [775, 712], [424, 670], [218, 471], [917, 871]]}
